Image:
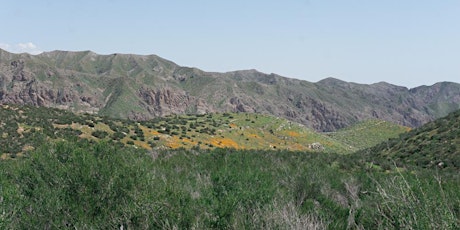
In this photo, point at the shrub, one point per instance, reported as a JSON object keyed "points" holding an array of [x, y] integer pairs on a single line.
{"points": [[73, 186], [118, 136], [99, 134]]}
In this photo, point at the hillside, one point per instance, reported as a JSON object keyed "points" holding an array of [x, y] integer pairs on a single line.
{"points": [[144, 87], [434, 145], [367, 133], [24, 128]]}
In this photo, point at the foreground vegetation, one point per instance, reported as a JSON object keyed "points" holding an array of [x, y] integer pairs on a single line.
{"points": [[86, 185]]}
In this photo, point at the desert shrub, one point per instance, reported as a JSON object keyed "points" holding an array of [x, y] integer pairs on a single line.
{"points": [[175, 133], [118, 136], [152, 144], [90, 123], [99, 134], [138, 131]]}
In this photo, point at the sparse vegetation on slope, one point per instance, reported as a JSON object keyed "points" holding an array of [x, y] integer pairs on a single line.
{"points": [[368, 133], [434, 145], [30, 126]]}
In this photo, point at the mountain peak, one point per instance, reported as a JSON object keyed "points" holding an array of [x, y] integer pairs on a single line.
{"points": [[332, 80]]}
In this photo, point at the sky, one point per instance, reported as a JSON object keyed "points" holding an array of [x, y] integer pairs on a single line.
{"points": [[402, 42]]}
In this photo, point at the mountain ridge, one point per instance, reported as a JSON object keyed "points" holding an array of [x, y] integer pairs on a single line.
{"points": [[142, 87]]}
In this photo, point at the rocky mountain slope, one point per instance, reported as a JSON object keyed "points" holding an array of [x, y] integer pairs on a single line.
{"points": [[143, 87]]}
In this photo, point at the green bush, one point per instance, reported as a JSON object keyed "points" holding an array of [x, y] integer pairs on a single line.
{"points": [[99, 134], [72, 186], [118, 136], [89, 185]]}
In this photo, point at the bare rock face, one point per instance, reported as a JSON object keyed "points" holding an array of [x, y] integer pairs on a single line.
{"points": [[33, 93], [239, 106], [18, 72], [166, 101], [20, 85], [23, 87]]}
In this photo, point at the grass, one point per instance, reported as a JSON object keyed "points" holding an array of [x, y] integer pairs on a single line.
{"points": [[84, 185], [406, 201], [367, 133]]}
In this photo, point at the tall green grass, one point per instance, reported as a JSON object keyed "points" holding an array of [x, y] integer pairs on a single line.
{"points": [[82, 185]]}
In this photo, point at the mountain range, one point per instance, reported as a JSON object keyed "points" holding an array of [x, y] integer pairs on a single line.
{"points": [[143, 87]]}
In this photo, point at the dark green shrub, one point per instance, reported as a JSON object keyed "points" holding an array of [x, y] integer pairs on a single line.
{"points": [[118, 136], [99, 134]]}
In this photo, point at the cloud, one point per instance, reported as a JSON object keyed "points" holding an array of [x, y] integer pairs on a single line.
{"points": [[4, 46], [27, 47]]}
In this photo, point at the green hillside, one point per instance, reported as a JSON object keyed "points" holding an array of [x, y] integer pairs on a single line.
{"points": [[24, 128], [434, 145], [31, 126], [367, 133]]}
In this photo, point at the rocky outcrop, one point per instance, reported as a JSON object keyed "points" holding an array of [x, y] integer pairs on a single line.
{"points": [[239, 106], [20, 85], [316, 146], [166, 101]]}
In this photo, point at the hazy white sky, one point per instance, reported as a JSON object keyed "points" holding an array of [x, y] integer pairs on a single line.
{"points": [[404, 42]]}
